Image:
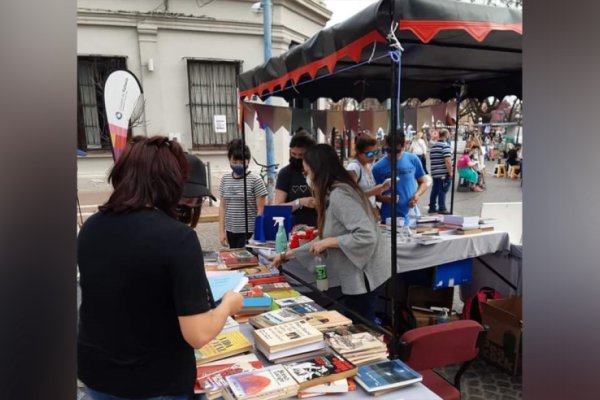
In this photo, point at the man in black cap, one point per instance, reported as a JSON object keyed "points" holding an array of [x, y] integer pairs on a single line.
{"points": [[194, 191]]}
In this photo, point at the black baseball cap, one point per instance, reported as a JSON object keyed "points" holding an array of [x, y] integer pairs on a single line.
{"points": [[196, 184]]}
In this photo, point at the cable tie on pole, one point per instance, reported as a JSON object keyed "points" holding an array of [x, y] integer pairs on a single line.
{"points": [[372, 53]]}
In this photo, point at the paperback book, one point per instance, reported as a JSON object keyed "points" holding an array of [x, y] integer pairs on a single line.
{"points": [[293, 301], [238, 258], [318, 370], [275, 317], [262, 383], [288, 335], [293, 354], [224, 345], [339, 386], [386, 375], [210, 377], [306, 308], [281, 294], [327, 320]]}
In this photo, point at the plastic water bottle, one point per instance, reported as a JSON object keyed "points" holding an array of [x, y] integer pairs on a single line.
{"points": [[406, 235], [321, 274]]}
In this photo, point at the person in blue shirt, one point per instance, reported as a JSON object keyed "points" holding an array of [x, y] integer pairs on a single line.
{"points": [[411, 182]]}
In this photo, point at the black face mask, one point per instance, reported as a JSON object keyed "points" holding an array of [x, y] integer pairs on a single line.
{"points": [[184, 213], [296, 162]]}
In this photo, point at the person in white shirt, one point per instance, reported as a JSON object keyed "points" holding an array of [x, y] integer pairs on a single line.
{"points": [[360, 167], [419, 148]]}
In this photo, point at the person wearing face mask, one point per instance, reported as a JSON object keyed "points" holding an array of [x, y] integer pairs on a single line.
{"points": [[292, 187], [360, 168], [194, 191], [232, 216], [349, 237], [411, 181]]}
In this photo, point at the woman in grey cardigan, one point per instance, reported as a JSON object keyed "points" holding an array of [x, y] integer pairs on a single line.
{"points": [[349, 236]]}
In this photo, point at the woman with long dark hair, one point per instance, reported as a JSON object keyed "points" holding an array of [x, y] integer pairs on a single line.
{"points": [[349, 236], [146, 303]]}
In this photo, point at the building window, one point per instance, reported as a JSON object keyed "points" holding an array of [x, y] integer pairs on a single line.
{"points": [[213, 91], [92, 127]]}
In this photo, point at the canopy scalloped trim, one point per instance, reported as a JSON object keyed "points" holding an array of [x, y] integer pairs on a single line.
{"points": [[423, 29]]}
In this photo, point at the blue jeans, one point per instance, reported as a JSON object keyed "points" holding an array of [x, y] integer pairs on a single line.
{"points": [[96, 395], [362, 304], [438, 193]]}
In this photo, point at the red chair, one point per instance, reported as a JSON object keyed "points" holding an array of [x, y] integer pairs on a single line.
{"points": [[440, 345]]}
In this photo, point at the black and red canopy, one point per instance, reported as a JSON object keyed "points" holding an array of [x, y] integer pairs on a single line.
{"points": [[445, 42]]}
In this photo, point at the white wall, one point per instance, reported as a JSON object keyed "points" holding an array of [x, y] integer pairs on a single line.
{"points": [[223, 30]]}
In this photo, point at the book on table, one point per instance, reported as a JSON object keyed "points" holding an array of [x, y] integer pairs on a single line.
{"points": [[238, 258], [460, 220], [327, 320], [282, 294], [256, 305], [288, 335], [292, 354], [355, 328], [260, 271], [275, 317], [319, 370], [272, 382], [222, 346], [210, 377], [293, 301], [359, 348], [386, 375], [269, 287], [230, 325], [339, 386], [306, 308]]}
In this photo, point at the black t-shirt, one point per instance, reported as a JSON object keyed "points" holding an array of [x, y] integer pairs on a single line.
{"points": [[292, 181], [139, 272], [513, 156]]}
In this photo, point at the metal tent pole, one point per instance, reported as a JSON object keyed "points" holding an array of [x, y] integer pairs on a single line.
{"points": [[244, 172], [460, 88], [393, 129]]}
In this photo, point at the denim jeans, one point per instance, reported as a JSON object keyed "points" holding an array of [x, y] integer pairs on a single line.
{"points": [[362, 304], [92, 394], [438, 193]]}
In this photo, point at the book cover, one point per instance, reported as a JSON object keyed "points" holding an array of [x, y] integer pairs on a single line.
{"points": [[257, 302], [230, 325], [275, 317], [260, 271], [222, 283], [287, 335], [281, 294], [339, 386], [356, 328], [306, 308], [211, 376], [319, 370], [262, 281], [261, 382], [210, 256], [294, 300], [238, 258], [386, 375], [223, 346], [273, 286], [357, 342], [293, 354], [325, 320]]}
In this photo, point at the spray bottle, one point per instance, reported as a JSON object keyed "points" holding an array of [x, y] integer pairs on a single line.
{"points": [[280, 237]]}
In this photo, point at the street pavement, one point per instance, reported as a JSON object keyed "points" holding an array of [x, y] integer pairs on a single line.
{"points": [[499, 190]]}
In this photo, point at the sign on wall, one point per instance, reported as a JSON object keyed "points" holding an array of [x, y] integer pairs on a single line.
{"points": [[220, 123]]}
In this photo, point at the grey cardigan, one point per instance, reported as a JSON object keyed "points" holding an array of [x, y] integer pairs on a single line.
{"points": [[362, 251]]}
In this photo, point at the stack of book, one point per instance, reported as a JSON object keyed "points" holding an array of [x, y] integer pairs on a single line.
{"points": [[210, 377], [282, 294], [487, 224], [260, 271], [341, 386], [270, 383], [355, 328], [327, 320], [224, 345], [275, 317], [253, 306], [306, 308], [319, 370], [289, 342], [464, 225], [359, 348], [386, 376], [238, 258]]}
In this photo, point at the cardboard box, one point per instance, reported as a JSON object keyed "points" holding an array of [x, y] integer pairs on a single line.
{"points": [[424, 318], [504, 319]]}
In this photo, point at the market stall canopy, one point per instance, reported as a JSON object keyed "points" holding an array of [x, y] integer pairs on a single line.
{"points": [[445, 42]]}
